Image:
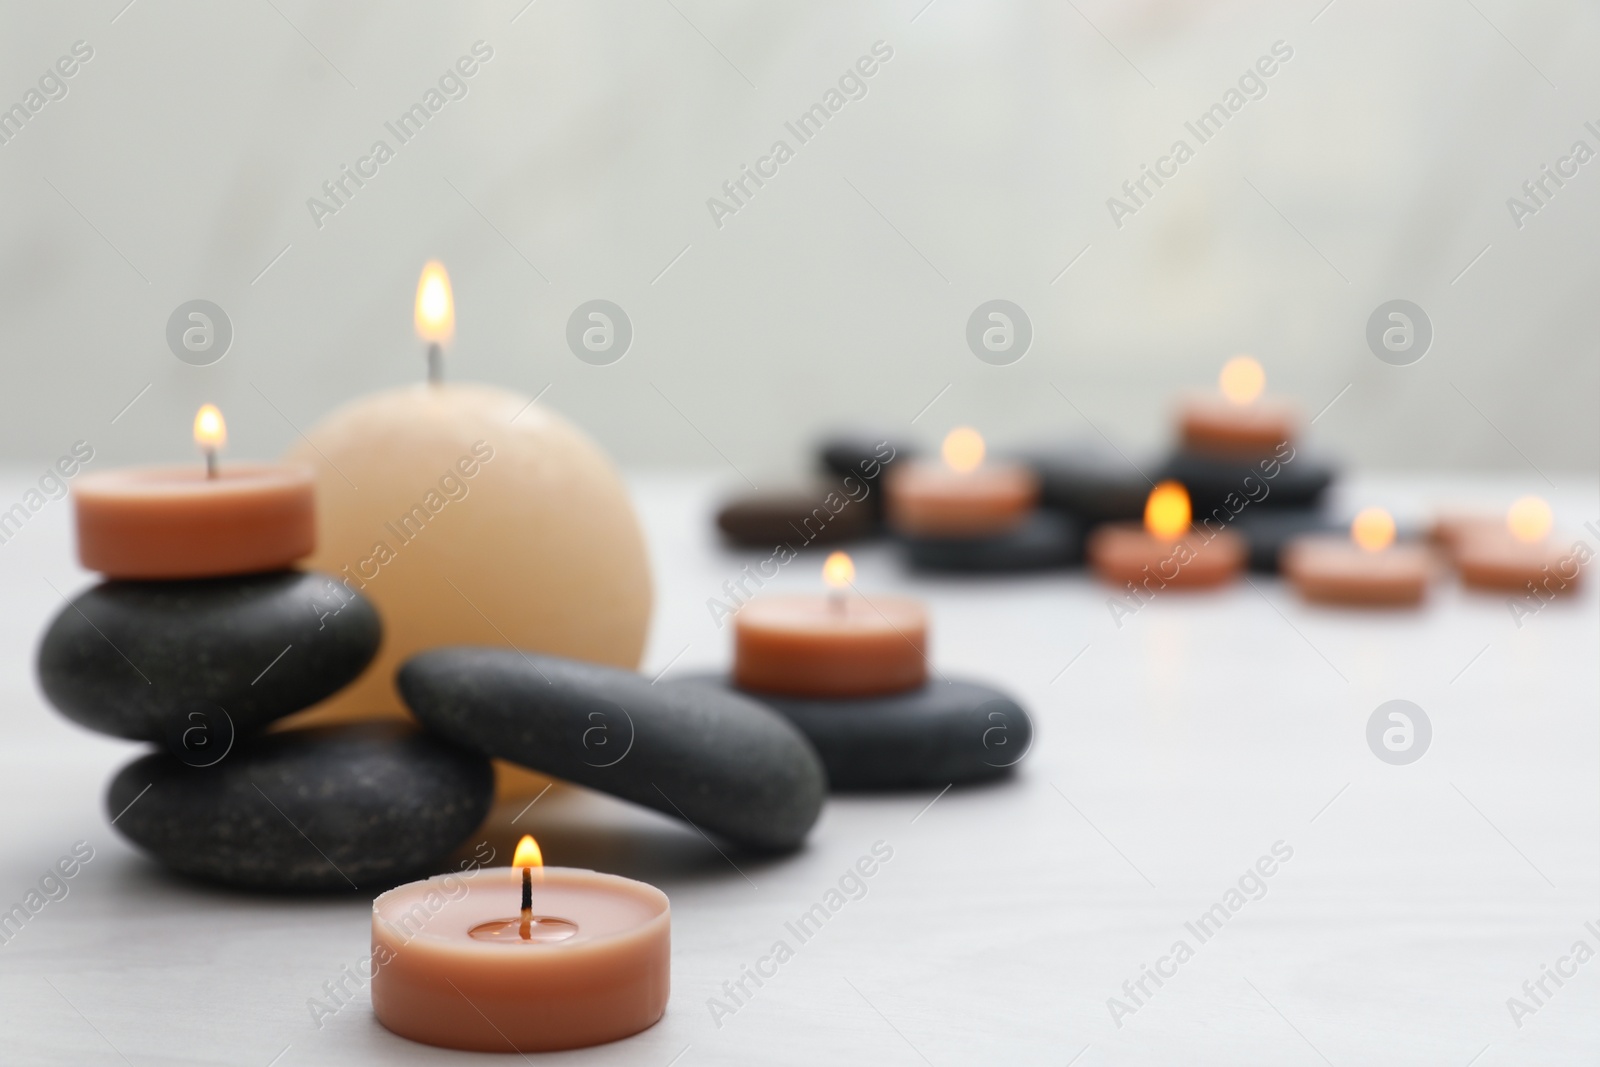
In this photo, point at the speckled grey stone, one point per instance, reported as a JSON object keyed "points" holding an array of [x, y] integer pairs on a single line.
{"points": [[925, 738], [720, 761], [1045, 540], [137, 659], [335, 807]]}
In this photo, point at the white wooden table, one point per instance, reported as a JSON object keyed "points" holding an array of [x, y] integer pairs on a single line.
{"points": [[1172, 754]]}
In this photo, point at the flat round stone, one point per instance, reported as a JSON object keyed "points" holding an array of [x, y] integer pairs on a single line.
{"points": [[1044, 540], [334, 807], [1211, 480], [142, 659], [720, 761], [925, 738], [821, 514]]}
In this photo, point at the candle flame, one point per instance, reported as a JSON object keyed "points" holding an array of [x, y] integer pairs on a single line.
{"points": [[1166, 511], [1242, 380], [210, 432], [963, 449], [527, 854], [1530, 519], [1372, 529], [436, 306], [838, 570]]}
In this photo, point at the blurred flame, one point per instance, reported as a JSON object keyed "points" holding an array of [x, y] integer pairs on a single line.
{"points": [[1530, 519], [1372, 529], [1242, 379], [436, 306], [838, 570], [210, 432], [527, 854], [1166, 511], [963, 449]]}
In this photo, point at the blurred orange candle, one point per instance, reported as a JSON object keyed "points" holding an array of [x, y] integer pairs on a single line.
{"points": [[1366, 568], [1508, 556], [521, 959], [837, 645], [1165, 551], [962, 496], [1239, 422], [195, 522]]}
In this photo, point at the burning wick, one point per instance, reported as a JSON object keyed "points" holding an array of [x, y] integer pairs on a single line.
{"points": [[435, 315], [527, 857], [210, 433], [1372, 529], [838, 570]]}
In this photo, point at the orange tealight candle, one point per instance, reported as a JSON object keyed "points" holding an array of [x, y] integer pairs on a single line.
{"points": [[1239, 422], [1166, 550], [189, 522], [1507, 557], [521, 959], [831, 646], [1367, 568], [961, 496]]}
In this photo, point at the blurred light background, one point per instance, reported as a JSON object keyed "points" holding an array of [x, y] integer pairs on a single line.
{"points": [[578, 165]]}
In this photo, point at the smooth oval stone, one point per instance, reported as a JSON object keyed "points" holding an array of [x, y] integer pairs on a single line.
{"points": [[140, 659], [1045, 540], [333, 807], [925, 738], [796, 517], [1299, 483], [719, 761], [1090, 484]]}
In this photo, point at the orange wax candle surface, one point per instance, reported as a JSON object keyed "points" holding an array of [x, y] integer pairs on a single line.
{"points": [[1216, 425], [1335, 570], [1123, 552], [175, 522], [840, 646], [435, 983], [932, 500], [1491, 558]]}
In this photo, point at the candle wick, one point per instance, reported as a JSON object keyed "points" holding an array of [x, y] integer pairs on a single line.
{"points": [[836, 601], [436, 366], [211, 463], [525, 928]]}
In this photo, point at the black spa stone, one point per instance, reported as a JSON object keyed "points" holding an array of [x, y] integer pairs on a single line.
{"points": [[1269, 483], [1045, 540], [719, 761], [1266, 532], [864, 456], [330, 808], [926, 738], [147, 660], [1092, 485]]}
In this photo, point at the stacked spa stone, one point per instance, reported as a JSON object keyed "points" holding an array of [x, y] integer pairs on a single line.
{"points": [[843, 503], [199, 668]]}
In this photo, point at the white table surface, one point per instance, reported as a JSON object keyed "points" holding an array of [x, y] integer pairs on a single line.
{"points": [[1171, 754]]}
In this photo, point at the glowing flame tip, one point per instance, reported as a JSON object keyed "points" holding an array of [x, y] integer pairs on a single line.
{"points": [[210, 432], [527, 854], [436, 306], [1242, 380], [838, 570], [963, 449], [1166, 511], [1372, 529], [1530, 519]]}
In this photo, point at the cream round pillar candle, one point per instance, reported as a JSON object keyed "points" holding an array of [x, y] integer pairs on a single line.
{"points": [[521, 959], [469, 515]]}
